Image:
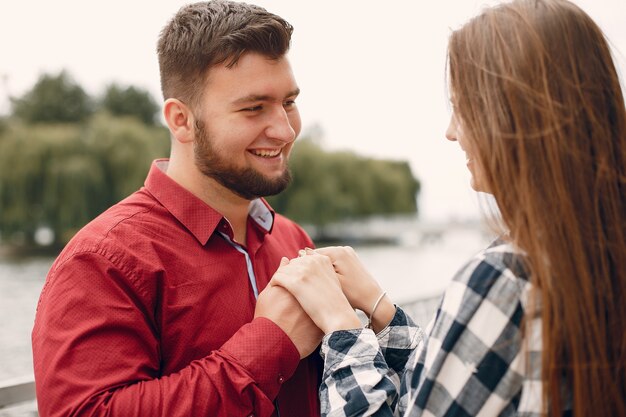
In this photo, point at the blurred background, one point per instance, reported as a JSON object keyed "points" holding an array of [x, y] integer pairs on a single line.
{"points": [[80, 123]]}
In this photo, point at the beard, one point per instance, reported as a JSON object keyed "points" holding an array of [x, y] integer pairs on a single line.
{"points": [[246, 182]]}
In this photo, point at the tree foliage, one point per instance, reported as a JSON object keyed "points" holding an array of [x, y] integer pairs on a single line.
{"points": [[62, 176], [130, 101], [53, 99], [329, 187]]}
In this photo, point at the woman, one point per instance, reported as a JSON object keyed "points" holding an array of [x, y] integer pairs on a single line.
{"points": [[532, 325]]}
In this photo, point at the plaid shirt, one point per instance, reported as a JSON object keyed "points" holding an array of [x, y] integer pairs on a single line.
{"points": [[470, 361]]}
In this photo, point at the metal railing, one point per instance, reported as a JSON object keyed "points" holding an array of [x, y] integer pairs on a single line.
{"points": [[17, 395]]}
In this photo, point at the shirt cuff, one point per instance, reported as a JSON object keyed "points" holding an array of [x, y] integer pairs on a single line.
{"points": [[265, 351], [357, 344]]}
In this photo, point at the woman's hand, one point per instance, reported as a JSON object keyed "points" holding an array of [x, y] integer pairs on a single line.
{"points": [[360, 288], [311, 279], [357, 283]]}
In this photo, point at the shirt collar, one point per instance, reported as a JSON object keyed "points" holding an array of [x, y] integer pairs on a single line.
{"points": [[193, 213], [261, 212]]}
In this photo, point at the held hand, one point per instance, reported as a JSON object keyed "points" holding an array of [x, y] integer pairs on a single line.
{"points": [[357, 283], [277, 305], [360, 288], [312, 280]]}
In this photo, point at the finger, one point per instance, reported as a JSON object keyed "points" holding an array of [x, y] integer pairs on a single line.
{"points": [[333, 252], [308, 259], [327, 250], [272, 283], [280, 279], [284, 261], [315, 261]]}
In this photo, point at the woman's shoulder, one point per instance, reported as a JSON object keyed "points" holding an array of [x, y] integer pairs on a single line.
{"points": [[503, 255], [495, 280], [500, 260]]}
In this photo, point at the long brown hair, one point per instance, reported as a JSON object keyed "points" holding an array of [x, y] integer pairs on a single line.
{"points": [[537, 94]]}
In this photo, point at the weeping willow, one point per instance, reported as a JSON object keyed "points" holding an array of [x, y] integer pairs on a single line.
{"points": [[60, 177]]}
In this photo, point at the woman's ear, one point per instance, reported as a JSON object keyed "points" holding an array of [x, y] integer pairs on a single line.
{"points": [[179, 119]]}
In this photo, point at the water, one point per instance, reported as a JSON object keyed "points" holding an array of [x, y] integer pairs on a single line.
{"points": [[20, 285], [410, 271], [421, 270]]}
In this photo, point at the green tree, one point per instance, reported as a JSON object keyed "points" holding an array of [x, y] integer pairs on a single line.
{"points": [[334, 186], [126, 147], [62, 176], [53, 99], [130, 101]]}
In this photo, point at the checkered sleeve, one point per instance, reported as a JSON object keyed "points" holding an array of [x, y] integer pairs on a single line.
{"points": [[397, 342], [362, 370], [469, 363]]}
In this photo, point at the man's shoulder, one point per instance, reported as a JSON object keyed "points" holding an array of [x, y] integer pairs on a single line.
{"points": [[117, 246], [126, 223]]}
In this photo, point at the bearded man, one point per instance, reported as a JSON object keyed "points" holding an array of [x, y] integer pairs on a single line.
{"points": [[151, 309]]}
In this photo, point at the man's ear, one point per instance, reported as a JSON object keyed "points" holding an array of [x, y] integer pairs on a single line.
{"points": [[179, 119]]}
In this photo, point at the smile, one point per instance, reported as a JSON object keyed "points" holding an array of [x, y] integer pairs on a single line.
{"points": [[266, 153]]}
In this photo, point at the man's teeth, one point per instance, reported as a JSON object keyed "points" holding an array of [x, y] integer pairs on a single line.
{"points": [[266, 153]]}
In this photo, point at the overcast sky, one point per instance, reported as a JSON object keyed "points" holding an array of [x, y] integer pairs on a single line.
{"points": [[371, 72]]}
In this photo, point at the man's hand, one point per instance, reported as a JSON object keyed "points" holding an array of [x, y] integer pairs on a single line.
{"points": [[278, 305], [312, 280]]}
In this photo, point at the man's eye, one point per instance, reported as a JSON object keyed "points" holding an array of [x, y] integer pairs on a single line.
{"points": [[254, 108], [290, 103]]}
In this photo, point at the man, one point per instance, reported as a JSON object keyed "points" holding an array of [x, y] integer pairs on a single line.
{"points": [[150, 309]]}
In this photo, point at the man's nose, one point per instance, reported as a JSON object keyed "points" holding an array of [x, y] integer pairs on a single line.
{"points": [[280, 126]]}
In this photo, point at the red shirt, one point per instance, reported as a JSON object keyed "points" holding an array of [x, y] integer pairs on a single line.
{"points": [[148, 312]]}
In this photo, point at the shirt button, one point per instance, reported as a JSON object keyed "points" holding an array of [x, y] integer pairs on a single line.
{"points": [[281, 379]]}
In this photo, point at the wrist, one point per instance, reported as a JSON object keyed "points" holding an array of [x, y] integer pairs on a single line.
{"points": [[346, 321], [374, 307], [383, 315], [368, 301]]}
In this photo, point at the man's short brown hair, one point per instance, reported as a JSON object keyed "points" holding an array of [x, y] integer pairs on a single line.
{"points": [[205, 34]]}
